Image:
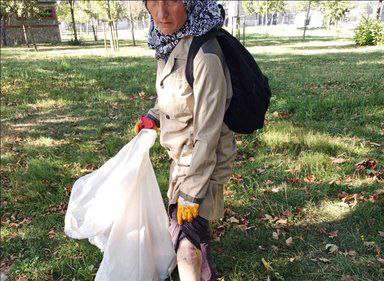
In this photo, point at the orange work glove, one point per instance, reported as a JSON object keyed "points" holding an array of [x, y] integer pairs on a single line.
{"points": [[145, 123], [186, 211]]}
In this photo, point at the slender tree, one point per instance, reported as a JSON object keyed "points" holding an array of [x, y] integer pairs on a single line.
{"points": [[132, 24], [307, 18], [335, 10], [133, 11], [72, 10], [91, 14], [67, 11], [379, 9], [6, 10], [264, 8]]}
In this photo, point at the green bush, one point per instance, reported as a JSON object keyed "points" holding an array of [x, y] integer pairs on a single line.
{"points": [[369, 32], [73, 42]]}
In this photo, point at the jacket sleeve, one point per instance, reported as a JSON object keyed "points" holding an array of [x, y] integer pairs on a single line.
{"points": [[153, 114], [209, 90]]}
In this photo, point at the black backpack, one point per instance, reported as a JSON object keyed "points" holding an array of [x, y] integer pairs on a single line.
{"points": [[251, 91]]}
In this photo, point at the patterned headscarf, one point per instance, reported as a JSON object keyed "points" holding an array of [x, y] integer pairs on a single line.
{"points": [[203, 15]]}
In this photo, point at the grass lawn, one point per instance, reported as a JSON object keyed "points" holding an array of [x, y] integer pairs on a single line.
{"points": [[306, 201]]}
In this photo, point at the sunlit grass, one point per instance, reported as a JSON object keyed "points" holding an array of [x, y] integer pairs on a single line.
{"points": [[66, 110]]}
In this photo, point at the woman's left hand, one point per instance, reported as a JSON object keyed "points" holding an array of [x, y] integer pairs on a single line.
{"points": [[186, 211]]}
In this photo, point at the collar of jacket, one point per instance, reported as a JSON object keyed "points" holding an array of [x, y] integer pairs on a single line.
{"points": [[179, 52]]}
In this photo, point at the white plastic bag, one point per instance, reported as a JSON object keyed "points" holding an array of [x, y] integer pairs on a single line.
{"points": [[119, 208]]}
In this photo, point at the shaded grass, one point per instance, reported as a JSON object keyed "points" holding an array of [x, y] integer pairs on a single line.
{"points": [[64, 116]]}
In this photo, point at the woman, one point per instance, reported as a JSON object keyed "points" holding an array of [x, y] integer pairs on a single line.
{"points": [[192, 130]]}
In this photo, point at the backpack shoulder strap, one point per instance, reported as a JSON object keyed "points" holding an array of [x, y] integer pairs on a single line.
{"points": [[196, 44]]}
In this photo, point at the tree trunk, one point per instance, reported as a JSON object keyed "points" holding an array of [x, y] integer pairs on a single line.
{"points": [[33, 38], [132, 24], [238, 32], [71, 5], [105, 36], [25, 35], [110, 25], [306, 18], [111, 39], [116, 36], [3, 31], [94, 30], [266, 20], [379, 9]]}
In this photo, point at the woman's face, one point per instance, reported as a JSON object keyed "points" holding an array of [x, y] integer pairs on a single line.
{"points": [[169, 15]]}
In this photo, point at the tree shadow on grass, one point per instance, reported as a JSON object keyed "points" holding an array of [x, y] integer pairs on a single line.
{"points": [[84, 45], [262, 40], [239, 253], [100, 98]]}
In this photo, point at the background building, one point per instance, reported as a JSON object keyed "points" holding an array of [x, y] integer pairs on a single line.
{"points": [[45, 29]]}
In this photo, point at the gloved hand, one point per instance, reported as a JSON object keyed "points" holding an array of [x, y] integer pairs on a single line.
{"points": [[186, 211], [145, 123]]}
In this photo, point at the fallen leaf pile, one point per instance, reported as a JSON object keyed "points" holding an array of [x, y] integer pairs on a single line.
{"points": [[59, 208], [353, 199], [231, 219], [370, 167], [237, 178], [282, 115], [14, 220]]}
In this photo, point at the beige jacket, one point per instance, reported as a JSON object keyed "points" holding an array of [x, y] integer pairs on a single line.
{"points": [[192, 129]]}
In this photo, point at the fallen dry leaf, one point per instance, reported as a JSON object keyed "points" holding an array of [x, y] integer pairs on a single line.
{"points": [[287, 213], [338, 160], [267, 217], [289, 241], [269, 182], [275, 235], [59, 208], [237, 177], [292, 259], [267, 265], [281, 221], [366, 164], [348, 278], [351, 253], [331, 248], [294, 180], [229, 212], [369, 167], [333, 234], [260, 170], [233, 220], [244, 228], [324, 260], [369, 243], [323, 230], [282, 115], [52, 233], [381, 233], [380, 260], [310, 179]]}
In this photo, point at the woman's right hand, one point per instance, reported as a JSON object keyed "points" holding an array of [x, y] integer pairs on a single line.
{"points": [[145, 123]]}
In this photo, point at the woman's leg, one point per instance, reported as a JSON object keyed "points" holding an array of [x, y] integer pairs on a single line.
{"points": [[189, 260], [192, 245]]}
